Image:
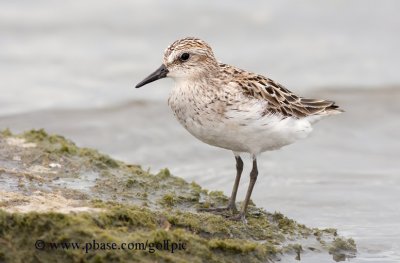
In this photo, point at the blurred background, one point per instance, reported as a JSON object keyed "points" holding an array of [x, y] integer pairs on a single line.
{"points": [[71, 66]]}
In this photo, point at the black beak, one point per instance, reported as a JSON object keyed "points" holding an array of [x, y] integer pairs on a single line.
{"points": [[160, 73]]}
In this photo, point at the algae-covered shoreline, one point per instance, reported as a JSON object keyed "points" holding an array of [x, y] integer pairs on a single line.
{"points": [[54, 191]]}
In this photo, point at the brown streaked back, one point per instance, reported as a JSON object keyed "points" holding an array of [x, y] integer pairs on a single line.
{"points": [[280, 99]]}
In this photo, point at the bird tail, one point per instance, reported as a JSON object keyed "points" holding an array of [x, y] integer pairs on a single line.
{"points": [[333, 109], [320, 107]]}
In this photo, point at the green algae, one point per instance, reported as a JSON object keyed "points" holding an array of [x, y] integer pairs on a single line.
{"points": [[6, 132], [164, 173], [341, 247], [118, 224], [289, 226], [296, 249], [136, 205], [101, 161], [168, 200], [59, 145]]}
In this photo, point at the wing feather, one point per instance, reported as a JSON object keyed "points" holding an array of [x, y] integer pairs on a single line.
{"points": [[280, 99]]}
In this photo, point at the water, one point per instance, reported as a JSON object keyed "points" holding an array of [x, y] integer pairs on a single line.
{"points": [[70, 67], [70, 54]]}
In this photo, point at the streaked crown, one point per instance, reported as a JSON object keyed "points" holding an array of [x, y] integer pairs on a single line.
{"points": [[189, 57]]}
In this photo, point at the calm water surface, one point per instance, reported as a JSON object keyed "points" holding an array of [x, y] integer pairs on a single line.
{"points": [[81, 54]]}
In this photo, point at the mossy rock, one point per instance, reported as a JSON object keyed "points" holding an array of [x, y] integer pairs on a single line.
{"points": [[62, 193]]}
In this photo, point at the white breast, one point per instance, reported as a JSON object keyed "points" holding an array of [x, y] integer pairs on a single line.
{"points": [[240, 127]]}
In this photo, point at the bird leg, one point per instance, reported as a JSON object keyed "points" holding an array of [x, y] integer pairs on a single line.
{"points": [[239, 170], [231, 206], [253, 179]]}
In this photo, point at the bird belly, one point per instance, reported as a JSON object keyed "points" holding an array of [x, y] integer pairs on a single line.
{"points": [[241, 127], [252, 136]]}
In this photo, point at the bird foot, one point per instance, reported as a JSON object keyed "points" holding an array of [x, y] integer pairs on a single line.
{"points": [[219, 210], [222, 211], [238, 217]]}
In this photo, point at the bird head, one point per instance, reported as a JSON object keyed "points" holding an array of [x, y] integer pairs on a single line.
{"points": [[185, 59]]}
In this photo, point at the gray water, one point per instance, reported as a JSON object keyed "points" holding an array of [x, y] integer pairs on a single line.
{"points": [[69, 54], [70, 67]]}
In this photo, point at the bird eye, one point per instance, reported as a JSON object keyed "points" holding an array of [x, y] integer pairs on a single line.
{"points": [[184, 56]]}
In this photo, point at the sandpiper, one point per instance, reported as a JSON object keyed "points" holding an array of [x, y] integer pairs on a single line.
{"points": [[231, 108]]}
